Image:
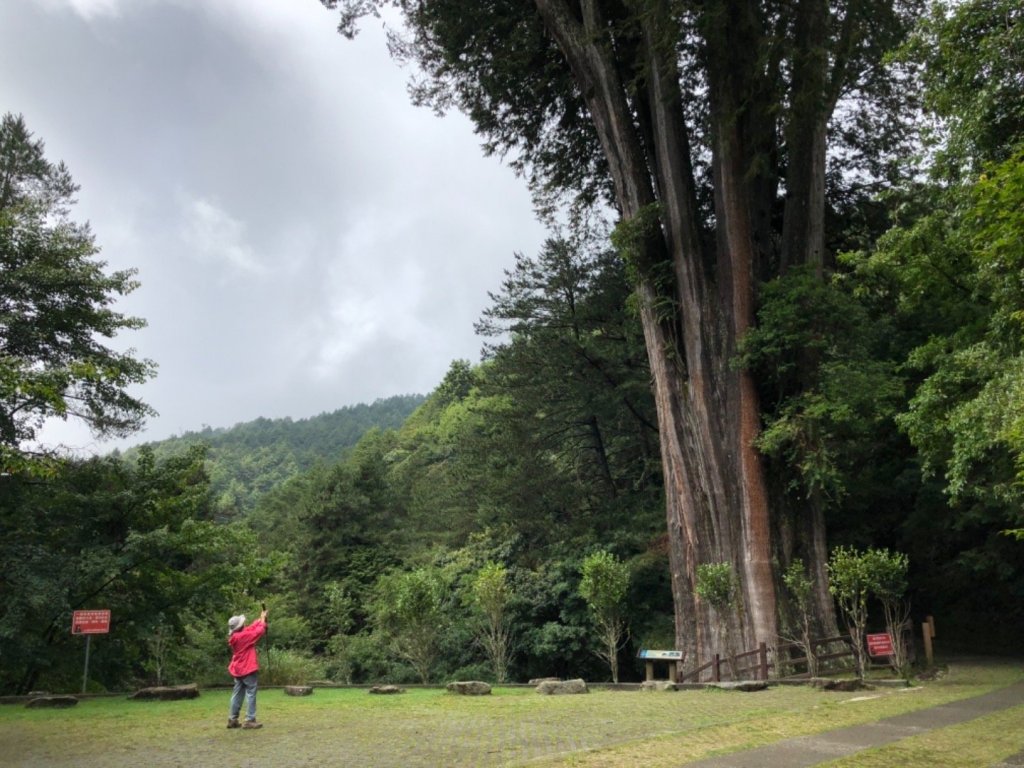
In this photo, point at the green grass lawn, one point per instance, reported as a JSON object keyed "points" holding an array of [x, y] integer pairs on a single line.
{"points": [[512, 727]]}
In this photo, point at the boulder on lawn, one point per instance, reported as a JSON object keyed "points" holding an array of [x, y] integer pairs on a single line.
{"points": [[43, 702], [385, 690], [538, 680], [469, 688], [299, 690], [560, 687], [742, 685], [167, 693]]}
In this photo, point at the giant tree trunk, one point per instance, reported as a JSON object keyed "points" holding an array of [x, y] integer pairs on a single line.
{"points": [[708, 412], [696, 289]]}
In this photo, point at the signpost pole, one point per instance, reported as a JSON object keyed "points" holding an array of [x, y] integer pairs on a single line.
{"points": [[85, 674], [89, 623]]}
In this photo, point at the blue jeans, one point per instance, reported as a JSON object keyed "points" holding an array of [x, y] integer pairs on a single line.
{"points": [[248, 684]]}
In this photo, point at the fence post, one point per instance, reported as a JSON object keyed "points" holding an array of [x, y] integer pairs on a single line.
{"points": [[926, 631], [763, 648], [716, 672]]}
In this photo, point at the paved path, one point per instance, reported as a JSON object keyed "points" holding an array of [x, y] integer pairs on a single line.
{"points": [[831, 745]]}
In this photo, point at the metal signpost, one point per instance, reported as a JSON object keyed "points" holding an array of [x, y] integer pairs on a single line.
{"points": [[89, 623]]}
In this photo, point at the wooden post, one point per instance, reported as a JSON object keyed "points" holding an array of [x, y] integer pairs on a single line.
{"points": [[926, 632], [649, 669], [763, 656], [716, 671], [673, 671]]}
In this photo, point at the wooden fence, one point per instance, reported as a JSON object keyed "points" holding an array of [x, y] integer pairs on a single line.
{"points": [[758, 664]]}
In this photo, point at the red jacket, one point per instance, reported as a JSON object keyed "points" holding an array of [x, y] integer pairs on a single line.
{"points": [[243, 649]]}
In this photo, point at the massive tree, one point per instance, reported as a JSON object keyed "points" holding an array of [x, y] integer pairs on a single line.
{"points": [[705, 126], [56, 308]]}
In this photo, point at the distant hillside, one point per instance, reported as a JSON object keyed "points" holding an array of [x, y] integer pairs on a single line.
{"points": [[247, 460]]}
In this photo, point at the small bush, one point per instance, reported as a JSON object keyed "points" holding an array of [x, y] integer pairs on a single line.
{"points": [[286, 667]]}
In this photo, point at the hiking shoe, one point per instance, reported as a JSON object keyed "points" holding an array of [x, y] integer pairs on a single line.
{"points": [[252, 724], [233, 722]]}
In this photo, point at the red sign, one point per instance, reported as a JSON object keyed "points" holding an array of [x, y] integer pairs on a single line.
{"points": [[880, 644], [90, 622]]}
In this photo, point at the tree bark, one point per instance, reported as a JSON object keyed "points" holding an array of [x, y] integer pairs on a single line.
{"points": [[696, 289], [709, 415]]}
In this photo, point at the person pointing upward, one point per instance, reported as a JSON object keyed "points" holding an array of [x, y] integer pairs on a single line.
{"points": [[244, 667]]}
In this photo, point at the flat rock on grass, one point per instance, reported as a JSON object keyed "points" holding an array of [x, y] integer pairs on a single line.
{"points": [[469, 688], [41, 702], [386, 689], [746, 686], [851, 684], [299, 690], [560, 687], [167, 693]]}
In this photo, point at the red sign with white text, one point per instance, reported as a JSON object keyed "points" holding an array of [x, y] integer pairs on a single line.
{"points": [[90, 622], [880, 644]]}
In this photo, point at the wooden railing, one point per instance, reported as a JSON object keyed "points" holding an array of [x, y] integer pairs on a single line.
{"points": [[750, 661], [758, 665], [783, 655]]}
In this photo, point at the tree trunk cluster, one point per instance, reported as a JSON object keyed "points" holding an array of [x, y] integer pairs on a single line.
{"points": [[696, 278]]}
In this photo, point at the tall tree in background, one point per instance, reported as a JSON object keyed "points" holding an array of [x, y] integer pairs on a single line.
{"points": [[951, 270], [706, 127], [571, 370], [55, 308]]}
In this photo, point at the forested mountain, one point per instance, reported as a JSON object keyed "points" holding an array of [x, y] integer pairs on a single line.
{"points": [[248, 459]]}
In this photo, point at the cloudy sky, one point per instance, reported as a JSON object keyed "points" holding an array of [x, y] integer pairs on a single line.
{"points": [[306, 239]]}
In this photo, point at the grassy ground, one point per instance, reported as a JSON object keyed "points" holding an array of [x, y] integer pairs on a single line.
{"points": [[512, 727]]}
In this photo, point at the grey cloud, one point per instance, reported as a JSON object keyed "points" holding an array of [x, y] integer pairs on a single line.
{"points": [[306, 239]]}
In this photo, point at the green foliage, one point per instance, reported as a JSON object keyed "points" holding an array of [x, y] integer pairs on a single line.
{"points": [[490, 595], [856, 576], [850, 582], [544, 450], [409, 610], [567, 398], [100, 534], [284, 666], [603, 584], [889, 574], [798, 583], [250, 462], [801, 591], [822, 364], [716, 583], [55, 309], [971, 55], [489, 590], [630, 239], [963, 417]]}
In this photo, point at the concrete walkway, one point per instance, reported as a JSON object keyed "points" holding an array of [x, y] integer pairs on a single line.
{"points": [[831, 745]]}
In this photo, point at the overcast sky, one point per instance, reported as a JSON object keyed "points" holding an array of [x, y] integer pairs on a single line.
{"points": [[306, 239]]}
